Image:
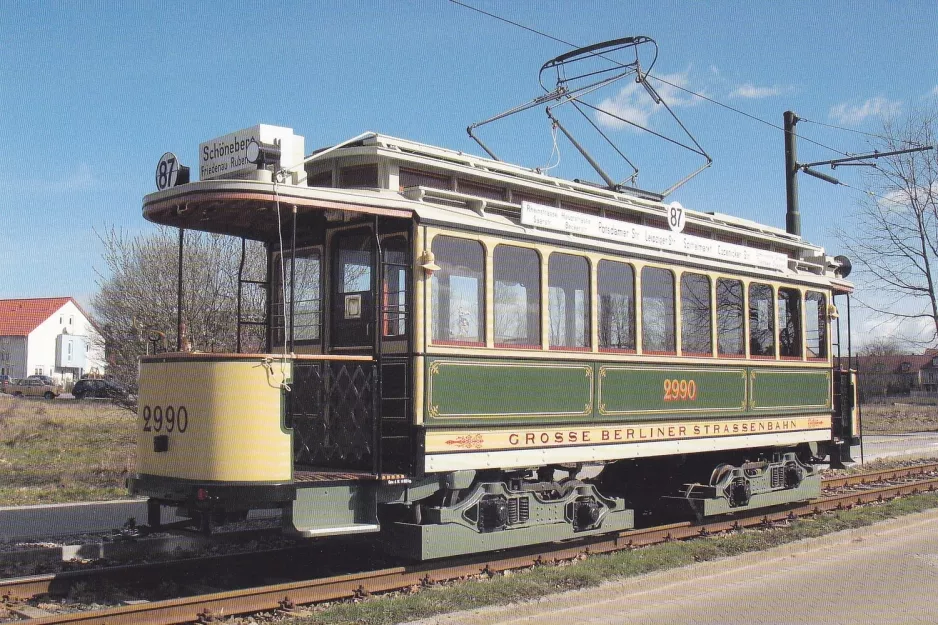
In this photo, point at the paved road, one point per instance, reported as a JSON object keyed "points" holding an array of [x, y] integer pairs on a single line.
{"points": [[884, 574], [919, 444]]}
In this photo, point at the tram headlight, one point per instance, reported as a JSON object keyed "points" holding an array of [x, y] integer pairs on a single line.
{"points": [[262, 154], [845, 266]]}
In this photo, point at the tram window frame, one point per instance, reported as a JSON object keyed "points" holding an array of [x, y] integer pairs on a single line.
{"points": [[704, 321], [758, 316], [513, 272], [609, 276], [562, 280], [664, 299], [820, 353], [455, 266], [394, 324], [280, 332], [789, 309], [724, 319]]}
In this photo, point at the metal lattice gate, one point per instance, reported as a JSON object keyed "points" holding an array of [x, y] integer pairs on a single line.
{"points": [[331, 407]]}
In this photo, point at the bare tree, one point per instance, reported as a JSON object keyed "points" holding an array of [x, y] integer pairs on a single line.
{"points": [[137, 297], [882, 346], [877, 373], [894, 240]]}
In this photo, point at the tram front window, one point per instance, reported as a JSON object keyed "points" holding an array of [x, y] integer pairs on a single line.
{"points": [[816, 329], [306, 294]]}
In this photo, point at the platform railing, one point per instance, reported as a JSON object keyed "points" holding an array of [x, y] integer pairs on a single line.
{"points": [[332, 408]]}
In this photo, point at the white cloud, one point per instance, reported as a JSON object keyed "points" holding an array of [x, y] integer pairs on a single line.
{"points": [[900, 200], [934, 91], [635, 104], [851, 114], [750, 91], [910, 333]]}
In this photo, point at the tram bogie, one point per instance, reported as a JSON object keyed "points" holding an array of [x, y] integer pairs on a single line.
{"points": [[444, 352]]}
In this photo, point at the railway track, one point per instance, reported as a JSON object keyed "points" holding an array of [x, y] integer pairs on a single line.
{"points": [[283, 596], [879, 476]]}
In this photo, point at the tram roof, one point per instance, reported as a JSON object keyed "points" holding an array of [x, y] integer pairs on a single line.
{"points": [[249, 208]]}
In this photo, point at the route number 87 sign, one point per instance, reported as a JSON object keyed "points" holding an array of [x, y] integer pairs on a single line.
{"points": [[676, 217], [169, 172]]}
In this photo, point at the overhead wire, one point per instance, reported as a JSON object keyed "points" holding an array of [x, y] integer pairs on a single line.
{"points": [[749, 115], [859, 132], [658, 78]]}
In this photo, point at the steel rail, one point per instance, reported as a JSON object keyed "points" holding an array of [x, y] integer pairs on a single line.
{"points": [[877, 476], [285, 596]]}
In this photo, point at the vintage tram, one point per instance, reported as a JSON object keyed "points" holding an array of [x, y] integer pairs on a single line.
{"points": [[465, 355]]}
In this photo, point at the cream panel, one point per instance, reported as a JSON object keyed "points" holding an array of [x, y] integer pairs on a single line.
{"points": [[421, 286], [597, 453], [234, 430]]}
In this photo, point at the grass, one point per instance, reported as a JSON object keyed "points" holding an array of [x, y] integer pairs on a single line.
{"points": [[881, 419], [539, 581], [63, 450]]}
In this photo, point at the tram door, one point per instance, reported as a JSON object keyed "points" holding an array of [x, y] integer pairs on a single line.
{"points": [[357, 280], [353, 292]]}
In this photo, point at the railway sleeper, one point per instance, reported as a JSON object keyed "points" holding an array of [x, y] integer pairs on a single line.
{"points": [[764, 483]]}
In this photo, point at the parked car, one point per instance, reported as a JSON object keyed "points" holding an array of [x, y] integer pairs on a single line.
{"points": [[34, 387], [45, 379], [92, 387]]}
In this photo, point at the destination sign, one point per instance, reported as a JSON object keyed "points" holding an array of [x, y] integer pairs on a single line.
{"points": [[227, 156], [562, 220]]}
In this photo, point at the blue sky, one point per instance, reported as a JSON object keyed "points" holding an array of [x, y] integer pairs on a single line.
{"points": [[91, 94]]}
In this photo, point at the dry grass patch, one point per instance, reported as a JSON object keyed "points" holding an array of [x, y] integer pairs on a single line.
{"points": [[898, 419], [63, 450]]}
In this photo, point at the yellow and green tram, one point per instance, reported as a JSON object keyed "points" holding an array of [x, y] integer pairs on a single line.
{"points": [[465, 355]]}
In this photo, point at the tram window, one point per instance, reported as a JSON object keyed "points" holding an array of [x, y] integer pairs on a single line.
{"points": [[517, 297], [616, 288], [696, 319], [657, 311], [568, 281], [307, 300], [415, 178], [394, 298], [457, 292], [479, 189], [730, 316], [322, 179], [364, 176], [354, 259], [761, 321], [789, 323], [816, 324]]}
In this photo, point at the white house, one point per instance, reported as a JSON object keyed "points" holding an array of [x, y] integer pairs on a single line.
{"points": [[48, 336]]}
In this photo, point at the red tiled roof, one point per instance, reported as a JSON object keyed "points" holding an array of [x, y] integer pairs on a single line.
{"points": [[19, 317], [893, 363]]}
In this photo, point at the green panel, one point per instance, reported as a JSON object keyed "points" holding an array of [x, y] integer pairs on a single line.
{"points": [[648, 391], [795, 390], [462, 391]]}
